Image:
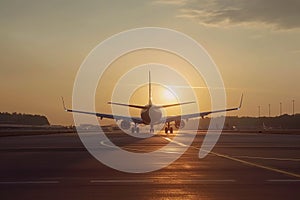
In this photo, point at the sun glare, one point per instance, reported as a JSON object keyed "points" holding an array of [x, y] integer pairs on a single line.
{"points": [[168, 95]]}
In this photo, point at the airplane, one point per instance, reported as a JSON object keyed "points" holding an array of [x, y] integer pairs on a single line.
{"points": [[151, 114]]}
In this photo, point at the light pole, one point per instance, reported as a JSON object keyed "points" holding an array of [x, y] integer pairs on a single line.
{"points": [[269, 110], [293, 101], [258, 111], [280, 109]]}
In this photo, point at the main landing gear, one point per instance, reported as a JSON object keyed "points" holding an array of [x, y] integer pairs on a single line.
{"points": [[151, 129], [168, 128], [136, 129]]}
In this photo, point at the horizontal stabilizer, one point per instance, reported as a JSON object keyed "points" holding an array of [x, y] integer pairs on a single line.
{"points": [[128, 105], [176, 104]]}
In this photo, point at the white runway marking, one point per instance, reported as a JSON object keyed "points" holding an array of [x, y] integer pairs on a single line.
{"points": [[266, 158], [121, 181], [179, 143], [256, 165], [163, 181], [135, 149], [152, 181], [236, 159], [284, 180], [110, 146], [243, 161], [28, 182], [208, 181]]}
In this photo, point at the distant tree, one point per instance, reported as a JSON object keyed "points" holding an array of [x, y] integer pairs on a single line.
{"points": [[23, 119]]}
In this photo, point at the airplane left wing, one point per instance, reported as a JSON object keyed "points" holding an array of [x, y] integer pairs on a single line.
{"points": [[103, 115], [200, 114]]}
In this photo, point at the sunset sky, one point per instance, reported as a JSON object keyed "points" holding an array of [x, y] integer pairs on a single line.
{"points": [[255, 44]]}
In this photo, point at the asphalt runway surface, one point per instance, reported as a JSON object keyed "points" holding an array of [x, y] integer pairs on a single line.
{"points": [[240, 166]]}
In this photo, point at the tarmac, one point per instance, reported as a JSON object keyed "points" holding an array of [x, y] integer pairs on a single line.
{"points": [[240, 166]]}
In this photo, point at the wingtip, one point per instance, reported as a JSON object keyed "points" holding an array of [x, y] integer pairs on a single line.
{"points": [[63, 102], [241, 102]]}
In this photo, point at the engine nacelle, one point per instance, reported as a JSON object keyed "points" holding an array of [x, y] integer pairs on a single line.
{"points": [[179, 123], [125, 124]]}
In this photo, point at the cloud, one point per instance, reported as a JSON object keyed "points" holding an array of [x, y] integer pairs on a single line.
{"points": [[280, 14], [171, 2]]}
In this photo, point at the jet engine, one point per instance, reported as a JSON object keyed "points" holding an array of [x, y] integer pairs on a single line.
{"points": [[125, 125], [179, 124]]}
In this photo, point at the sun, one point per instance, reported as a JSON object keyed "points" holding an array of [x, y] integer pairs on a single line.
{"points": [[168, 95], [165, 95]]}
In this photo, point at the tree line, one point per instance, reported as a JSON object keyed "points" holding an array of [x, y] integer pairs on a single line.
{"points": [[278, 122], [22, 119]]}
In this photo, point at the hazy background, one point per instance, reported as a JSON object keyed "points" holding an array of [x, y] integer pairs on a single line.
{"points": [[255, 44]]}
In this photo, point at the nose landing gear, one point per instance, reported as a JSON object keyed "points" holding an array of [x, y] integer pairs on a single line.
{"points": [[151, 129], [168, 128]]}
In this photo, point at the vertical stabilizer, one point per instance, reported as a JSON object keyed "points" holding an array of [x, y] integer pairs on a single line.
{"points": [[150, 89]]}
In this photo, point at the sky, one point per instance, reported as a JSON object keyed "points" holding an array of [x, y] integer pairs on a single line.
{"points": [[255, 44]]}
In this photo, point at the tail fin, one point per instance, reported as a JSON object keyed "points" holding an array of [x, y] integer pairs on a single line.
{"points": [[150, 90]]}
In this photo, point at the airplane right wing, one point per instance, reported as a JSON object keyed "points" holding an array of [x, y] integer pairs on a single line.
{"points": [[200, 114]]}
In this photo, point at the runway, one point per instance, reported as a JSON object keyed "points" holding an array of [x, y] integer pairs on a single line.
{"points": [[240, 166]]}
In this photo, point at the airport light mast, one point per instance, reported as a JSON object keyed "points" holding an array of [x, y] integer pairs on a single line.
{"points": [[293, 101], [280, 109]]}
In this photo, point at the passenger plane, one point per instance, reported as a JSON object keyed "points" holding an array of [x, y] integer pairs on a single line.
{"points": [[151, 114]]}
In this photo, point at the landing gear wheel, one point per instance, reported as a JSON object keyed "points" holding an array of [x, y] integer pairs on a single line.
{"points": [[166, 129], [151, 130], [171, 130], [137, 130], [132, 130]]}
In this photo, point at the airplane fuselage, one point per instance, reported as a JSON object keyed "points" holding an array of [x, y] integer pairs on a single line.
{"points": [[151, 115]]}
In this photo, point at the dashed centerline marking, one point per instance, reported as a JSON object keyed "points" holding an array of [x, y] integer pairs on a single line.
{"points": [[135, 149], [111, 146], [121, 181], [179, 143], [28, 182]]}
